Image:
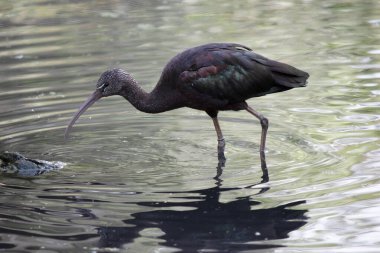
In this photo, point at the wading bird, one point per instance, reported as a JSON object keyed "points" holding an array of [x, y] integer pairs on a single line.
{"points": [[213, 77]]}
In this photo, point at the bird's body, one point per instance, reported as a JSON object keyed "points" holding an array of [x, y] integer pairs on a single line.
{"points": [[218, 76], [212, 77]]}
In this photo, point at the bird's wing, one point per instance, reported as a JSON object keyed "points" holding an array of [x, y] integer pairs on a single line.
{"points": [[233, 73]]}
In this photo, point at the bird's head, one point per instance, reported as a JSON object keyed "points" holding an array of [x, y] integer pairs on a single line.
{"points": [[111, 82]]}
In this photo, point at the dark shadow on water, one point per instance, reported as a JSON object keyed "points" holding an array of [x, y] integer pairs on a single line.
{"points": [[189, 221], [209, 223]]}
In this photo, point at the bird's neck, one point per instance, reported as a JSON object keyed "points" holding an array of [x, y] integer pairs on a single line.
{"points": [[155, 101]]}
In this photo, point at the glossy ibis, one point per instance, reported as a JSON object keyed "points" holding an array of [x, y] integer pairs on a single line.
{"points": [[212, 77]]}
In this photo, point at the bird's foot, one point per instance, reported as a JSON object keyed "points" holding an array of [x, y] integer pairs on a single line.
{"points": [[221, 157], [221, 164], [264, 167], [219, 169], [221, 145]]}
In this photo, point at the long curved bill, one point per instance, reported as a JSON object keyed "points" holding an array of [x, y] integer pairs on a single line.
{"points": [[90, 101]]}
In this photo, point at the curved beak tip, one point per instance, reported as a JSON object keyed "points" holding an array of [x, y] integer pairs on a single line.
{"points": [[90, 101], [66, 135]]}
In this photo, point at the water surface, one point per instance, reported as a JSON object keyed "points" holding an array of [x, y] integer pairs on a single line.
{"points": [[145, 183]]}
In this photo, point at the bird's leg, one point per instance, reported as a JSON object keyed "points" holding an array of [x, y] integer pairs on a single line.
{"points": [[221, 143], [219, 168], [264, 129]]}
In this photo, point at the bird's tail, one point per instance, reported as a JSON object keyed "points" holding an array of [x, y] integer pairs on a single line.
{"points": [[289, 76], [284, 74]]}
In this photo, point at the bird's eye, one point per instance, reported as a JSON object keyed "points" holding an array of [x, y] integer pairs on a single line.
{"points": [[102, 87]]}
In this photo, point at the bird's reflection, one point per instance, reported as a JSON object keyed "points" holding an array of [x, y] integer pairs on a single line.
{"points": [[209, 223]]}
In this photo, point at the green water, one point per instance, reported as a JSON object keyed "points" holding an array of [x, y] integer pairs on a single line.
{"points": [[134, 180]]}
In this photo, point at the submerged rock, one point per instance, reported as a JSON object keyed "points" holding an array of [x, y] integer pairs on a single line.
{"points": [[17, 164]]}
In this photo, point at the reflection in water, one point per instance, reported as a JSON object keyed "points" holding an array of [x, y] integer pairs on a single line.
{"points": [[206, 223], [209, 224]]}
